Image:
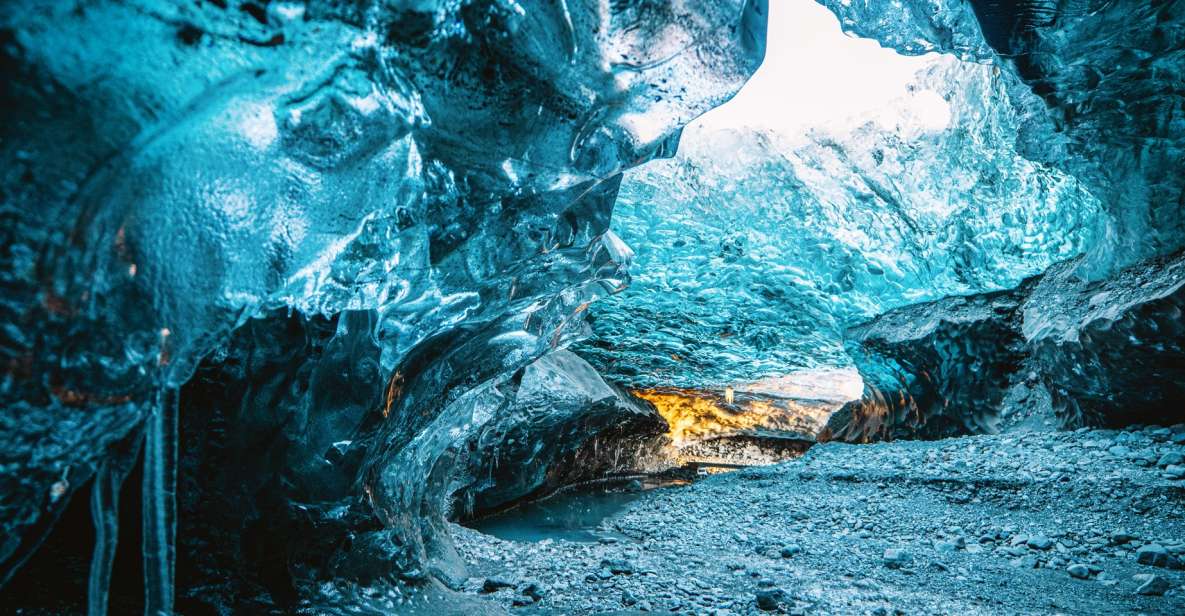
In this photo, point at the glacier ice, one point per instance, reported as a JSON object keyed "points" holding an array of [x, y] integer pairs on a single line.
{"points": [[560, 423], [980, 363], [760, 256], [1108, 74], [425, 186], [934, 369], [316, 263], [1092, 341], [754, 250]]}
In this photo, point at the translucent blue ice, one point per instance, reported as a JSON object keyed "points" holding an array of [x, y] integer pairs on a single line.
{"points": [[442, 171], [754, 251]]}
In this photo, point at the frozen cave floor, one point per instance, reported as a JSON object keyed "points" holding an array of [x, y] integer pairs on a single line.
{"points": [[973, 525]]}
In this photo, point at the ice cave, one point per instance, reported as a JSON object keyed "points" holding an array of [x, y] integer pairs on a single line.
{"points": [[566, 307]]}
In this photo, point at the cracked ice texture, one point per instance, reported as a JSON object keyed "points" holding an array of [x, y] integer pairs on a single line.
{"points": [[755, 251], [1097, 334], [172, 171], [1110, 75]]}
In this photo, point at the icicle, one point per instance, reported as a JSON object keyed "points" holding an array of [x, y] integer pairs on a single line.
{"points": [[160, 504], [105, 512]]}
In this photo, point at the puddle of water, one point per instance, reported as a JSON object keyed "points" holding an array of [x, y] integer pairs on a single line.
{"points": [[570, 515]]}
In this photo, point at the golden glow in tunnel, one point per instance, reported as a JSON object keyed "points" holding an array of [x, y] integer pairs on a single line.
{"points": [[696, 415]]}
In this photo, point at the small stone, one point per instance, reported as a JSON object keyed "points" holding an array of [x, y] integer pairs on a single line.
{"points": [[1158, 433], [1025, 562], [533, 591], [1153, 554], [791, 550], [1119, 451], [1122, 537], [1175, 471], [617, 567], [495, 584], [770, 600], [1170, 459], [865, 584], [1154, 585], [896, 557], [1079, 571], [1039, 542], [946, 546]]}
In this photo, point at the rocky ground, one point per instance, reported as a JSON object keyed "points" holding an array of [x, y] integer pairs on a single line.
{"points": [[1086, 522]]}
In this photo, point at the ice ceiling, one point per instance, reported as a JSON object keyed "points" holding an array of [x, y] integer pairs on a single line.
{"points": [[826, 192]]}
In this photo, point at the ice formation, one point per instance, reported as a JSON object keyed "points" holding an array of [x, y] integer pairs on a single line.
{"points": [[426, 186], [311, 268], [1049, 351], [754, 252], [1108, 75], [982, 363], [563, 424]]}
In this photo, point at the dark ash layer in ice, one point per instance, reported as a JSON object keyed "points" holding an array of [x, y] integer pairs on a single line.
{"points": [[931, 370], [1059, 351]]}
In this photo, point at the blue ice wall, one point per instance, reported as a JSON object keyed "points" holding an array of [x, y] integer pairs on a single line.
{"points": [[442, 171], [1108, 74], [755, 250]]}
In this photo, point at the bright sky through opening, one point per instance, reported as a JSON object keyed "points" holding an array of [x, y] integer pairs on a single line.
{"points": [[814, 75]]}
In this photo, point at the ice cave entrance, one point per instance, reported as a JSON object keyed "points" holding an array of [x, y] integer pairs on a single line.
{"points": [[844, 83], [814, 78]]}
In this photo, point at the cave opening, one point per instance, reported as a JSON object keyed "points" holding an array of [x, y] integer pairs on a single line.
{"points": [[718, 417]]}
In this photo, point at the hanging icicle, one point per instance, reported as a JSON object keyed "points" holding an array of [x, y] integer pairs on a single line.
{"points": [[160, 504], [105, 512]]}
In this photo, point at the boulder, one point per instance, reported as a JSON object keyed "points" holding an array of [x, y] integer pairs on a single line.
{"points": [[561, 423]]}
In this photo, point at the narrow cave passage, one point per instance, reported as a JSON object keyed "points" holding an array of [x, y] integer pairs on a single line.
{"points": [[646, 306]]}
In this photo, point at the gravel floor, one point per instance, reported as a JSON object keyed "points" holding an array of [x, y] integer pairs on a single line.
{"points": [[1037, 523]]}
